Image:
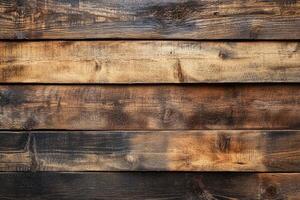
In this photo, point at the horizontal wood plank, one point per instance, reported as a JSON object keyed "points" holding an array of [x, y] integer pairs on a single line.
{"points": [[148, 107], [197, 19], [160, 186], [148, 62], [264, 151]]}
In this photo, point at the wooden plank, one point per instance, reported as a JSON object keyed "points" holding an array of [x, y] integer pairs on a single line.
{"points": [[148, 62], [264, 151], [171, 186], [148, 107], [197, 19]]}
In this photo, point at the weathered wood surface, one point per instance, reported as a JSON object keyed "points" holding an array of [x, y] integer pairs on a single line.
{"points": [[264, 151], [160, 186], [197, 19], [149, 62], [148, 107]]}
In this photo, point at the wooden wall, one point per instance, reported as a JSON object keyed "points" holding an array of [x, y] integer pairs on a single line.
{"points": [[150, 99]]}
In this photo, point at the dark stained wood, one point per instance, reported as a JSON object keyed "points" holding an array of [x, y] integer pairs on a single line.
{"points": [[191, 19], [160, 186], [148, 62], [149, 107], [268, 151]]}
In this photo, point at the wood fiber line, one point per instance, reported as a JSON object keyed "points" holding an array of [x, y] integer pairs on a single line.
{"points": [[160, 186], [188, 19], [148, 107], [148, 62], [264, 151]]}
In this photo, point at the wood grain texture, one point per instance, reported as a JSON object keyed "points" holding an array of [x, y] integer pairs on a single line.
{"points": [[264, 151], [148, 62], [148, 107], [188, 19], [158, 186]]}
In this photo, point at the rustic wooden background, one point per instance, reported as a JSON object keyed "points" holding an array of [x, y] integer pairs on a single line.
{"points": [[150, 99]]}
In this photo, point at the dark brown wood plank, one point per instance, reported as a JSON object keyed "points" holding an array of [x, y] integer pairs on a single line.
{"points": [[191, 19], [148, 62], [264, 151], [149, 107], [171, 186]]}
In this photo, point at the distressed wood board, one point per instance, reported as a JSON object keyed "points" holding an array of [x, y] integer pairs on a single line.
{"points": [[154, 62], [148, 107], [150, 19], [171, 186], [264, 151]]}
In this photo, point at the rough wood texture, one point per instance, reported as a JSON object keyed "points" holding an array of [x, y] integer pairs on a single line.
{"points": [[148, 107], [149, 62], [267, 151], [158, 186], [197, 19]]}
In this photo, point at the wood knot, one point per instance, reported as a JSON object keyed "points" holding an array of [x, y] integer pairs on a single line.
{"points": [[197, 189], [178, 74], [254, 31], [223, 143], [30, 123], [225, 54], [167, 115], [133, 160], [98, 65], [272, 192]]}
